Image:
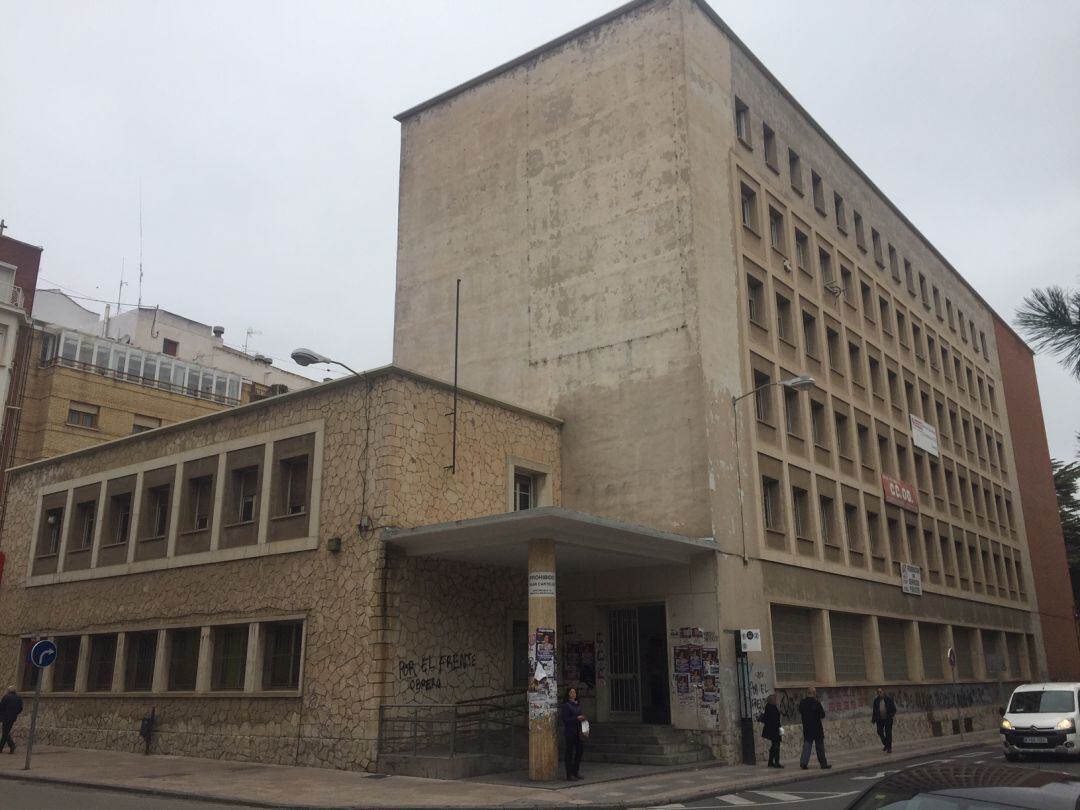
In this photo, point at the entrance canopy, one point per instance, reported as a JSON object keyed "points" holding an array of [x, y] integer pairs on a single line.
{"points": [[583, 542]]}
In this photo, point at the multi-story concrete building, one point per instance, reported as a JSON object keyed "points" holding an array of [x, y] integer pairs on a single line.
{"points": [[647, 226]]}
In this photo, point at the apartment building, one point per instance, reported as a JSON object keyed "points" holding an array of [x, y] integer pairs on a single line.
{"points": [[647, 226]]}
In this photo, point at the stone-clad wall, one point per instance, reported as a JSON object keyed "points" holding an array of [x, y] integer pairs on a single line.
{"points": [[386, 447]]}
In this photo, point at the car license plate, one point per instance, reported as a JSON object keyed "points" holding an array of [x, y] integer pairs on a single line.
{"points": [[1035, 740]]}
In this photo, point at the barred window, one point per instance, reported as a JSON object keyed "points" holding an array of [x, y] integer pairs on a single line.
{"points": [[793, 646], [141, 650], [229, 663], [67, 663], [102, 660], [894, 662], [849, 658], [281, 654], [962, 646], [932, 652]]}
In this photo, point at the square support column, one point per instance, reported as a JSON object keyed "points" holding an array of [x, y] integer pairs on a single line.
{"points": [[875, 668], [913, 642], [543, 695], [824, 665]]}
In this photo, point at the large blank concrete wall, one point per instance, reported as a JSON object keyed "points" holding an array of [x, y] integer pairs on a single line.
{"points": [[558, 192]]}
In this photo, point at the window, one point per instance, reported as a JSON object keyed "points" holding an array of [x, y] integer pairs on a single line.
{"points": [[229, 663], [875, 239], [818, 190], [901, 328], [121, 511], [201, 496], [294, 478], [246, 486], [843, 446], [792, 412], [141, 424], [867, 296], [827, 509], [102, 659], [873, 533], [793, 644], [832, 345], [909, 276], [770, 503], [282, 645], [742, 121], [800, 510], [85, 513], [962, 647], [841, 214], [817, 423], [802, 250], [795, 170], [847, 287], [755, 300], [860, 233], [183, 648], [67, 663], [855, 362], [776, 231], [851, 527], [810, 335], [894, 662], [916, 339], [923, 295], [894, 388], [982, 341], [949, 315], [141, 650], [866, 454], [937, 302], [883, 312], [932, 655], [894, 264], [762, 396], [158, 499], [170, 347], [749, 208], [51, 525], [849, 659], [875, 377], [784, 327], [825, 263], [81, 414], [524, 491], [768, 139]]}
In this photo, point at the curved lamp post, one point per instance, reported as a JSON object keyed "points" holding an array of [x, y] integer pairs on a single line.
{"points": [[308, 357]]}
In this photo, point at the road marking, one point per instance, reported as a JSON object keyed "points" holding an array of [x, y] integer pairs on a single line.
{"points": [[878, 775], [784, 797], [735, 798], [965, 756]]}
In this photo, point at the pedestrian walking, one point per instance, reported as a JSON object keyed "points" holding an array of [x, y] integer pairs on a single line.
{"points": [[10, 709], [813, 732], [772, 730], [572, 718], [882, 716]]}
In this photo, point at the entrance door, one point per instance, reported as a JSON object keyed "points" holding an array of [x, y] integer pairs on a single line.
{"points": [[639, 690]]}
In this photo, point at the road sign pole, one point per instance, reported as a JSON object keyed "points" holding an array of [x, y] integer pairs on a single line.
{"points": [[33, 718]]}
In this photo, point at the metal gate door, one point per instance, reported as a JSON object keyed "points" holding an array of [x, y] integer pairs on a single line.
{"points": [[625, 663]]}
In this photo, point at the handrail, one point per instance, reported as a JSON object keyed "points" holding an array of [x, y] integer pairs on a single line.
{"points": [[475, 726], [138, 379]]}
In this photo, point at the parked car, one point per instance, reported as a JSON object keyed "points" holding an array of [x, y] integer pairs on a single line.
{"points": [[946, 786], [1041, 718]]}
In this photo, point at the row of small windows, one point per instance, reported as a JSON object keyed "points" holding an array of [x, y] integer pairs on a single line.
{"points": [[168, 660], [196, 497], [847, 522], [798, 632], [877, 309], [954, 316], [88, 415]]}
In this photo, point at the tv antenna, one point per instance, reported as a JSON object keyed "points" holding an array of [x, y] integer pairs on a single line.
{"points": [[247, 336]]}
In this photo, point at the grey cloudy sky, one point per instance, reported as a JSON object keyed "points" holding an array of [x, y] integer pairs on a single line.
{"points": [[262, 135]]}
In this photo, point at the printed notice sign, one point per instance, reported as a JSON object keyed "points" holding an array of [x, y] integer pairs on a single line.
{"points": [[541, 583], [899, 493], [924, 435], [911, 579]]}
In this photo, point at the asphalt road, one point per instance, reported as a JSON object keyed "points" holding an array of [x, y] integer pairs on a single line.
{"points": [[837, 791], [39, 796]]}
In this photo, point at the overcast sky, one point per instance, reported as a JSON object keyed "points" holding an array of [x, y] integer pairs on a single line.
{"points": [[263, 139]]}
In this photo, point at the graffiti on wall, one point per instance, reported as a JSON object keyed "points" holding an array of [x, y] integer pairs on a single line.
{"points": [[849, 701], [426, 673]]}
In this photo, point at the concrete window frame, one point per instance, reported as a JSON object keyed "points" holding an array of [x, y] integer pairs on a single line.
{"points": [[541, 474]]}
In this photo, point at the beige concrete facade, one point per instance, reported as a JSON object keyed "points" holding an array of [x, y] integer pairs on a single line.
{"points": [[272, 629], [646, 225]]}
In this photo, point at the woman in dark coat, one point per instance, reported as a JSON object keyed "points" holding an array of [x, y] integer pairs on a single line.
{"points": [[571, 719], [771, 731]]}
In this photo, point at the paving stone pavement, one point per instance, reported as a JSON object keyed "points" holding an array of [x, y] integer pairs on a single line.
{"points": [[280, 786]]}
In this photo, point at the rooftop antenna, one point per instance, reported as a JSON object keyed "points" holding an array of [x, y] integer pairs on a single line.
{"points": [[120, 290], [140, 243], [251, 330], [452, 466]]}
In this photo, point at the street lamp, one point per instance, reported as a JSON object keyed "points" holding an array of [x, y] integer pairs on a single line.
{"points": [[308, 357]]}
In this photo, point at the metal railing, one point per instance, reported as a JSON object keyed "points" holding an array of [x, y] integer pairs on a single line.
{"points": [[11, 295], [495, 724], [138, 379]]}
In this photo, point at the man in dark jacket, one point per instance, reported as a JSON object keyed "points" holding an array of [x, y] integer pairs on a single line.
{"points": [[10, 709], [813, 731], [882, 716]]}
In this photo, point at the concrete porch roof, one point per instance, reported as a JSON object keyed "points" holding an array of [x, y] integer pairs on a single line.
{"points": [[583, 543]]}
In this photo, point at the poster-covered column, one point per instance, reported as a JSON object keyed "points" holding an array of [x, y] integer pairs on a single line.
{"points": [[543, 686]]}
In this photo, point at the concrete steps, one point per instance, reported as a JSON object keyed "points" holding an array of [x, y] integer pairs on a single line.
{"points": [[641, 744]]}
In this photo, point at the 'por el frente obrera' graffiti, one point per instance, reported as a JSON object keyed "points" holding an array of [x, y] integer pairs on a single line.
{"points": [[425, 673]]}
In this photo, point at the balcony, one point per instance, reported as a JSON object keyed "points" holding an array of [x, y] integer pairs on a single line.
{"points": [[193, 390], [11, 296]]}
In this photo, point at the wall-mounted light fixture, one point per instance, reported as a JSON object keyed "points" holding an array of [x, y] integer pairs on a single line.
{"points": [[334, 544]]}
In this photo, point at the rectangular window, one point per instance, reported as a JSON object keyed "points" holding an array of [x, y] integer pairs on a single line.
{"points": [[84, 415], [860, 233], [852, 528], [229, 657], [762, 397], [800, 510], [950, 317], [294, 480], [755, 300], [894, 264], [825, 263], [100, 663], [183, 659], [875, 239], [923, 294], [742, 121], [894, 663], [524, 491], [909, 277], [246, 486], [51, 525], [867, 296], [67, 663], [140, 651], [866, 454], [962, 646], [282, 646], [170, 347], [932, 651], [795, 170], [776, 231], [847, 287], [827, 510], [855, 363], [85, 513], [937, 302], [817, 423], [121, 509], [810, 335], [849, 658], [802, 250], [818, 190], [158, 499], [201, 495], [843, 442], [770, 495], [792, 412], [141, 424], [832, 340], [785, 330], [768, 139], [793, 644], [749, 208], [885, 315], [841, 213]]}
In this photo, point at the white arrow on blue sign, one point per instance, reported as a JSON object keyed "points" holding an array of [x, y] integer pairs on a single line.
{"points": [[43, 654]]}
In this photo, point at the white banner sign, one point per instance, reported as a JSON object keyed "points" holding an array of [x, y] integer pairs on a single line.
{"points": [[923, 435], [541, 583], [911, 579]]}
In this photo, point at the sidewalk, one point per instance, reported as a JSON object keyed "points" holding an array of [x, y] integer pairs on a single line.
{"points": [[279, 786]]}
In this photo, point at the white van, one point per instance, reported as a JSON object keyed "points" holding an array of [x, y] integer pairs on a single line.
{"points": [[1042, 718]]}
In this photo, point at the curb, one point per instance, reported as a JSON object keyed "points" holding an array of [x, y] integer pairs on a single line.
{"points": [[670, 798]]}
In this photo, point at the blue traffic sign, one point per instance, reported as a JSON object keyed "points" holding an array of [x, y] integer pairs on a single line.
{"points": [[43, 654]]}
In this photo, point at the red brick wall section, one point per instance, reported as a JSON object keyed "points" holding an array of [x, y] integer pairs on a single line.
{"points": [[1037, 498]]}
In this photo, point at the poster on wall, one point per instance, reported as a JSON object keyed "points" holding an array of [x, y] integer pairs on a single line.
{"points": [[710, 658], [543, 688], [545, 648], [709, 692], [695, 662], [682, 686], [681, 660], [924, 435]]}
